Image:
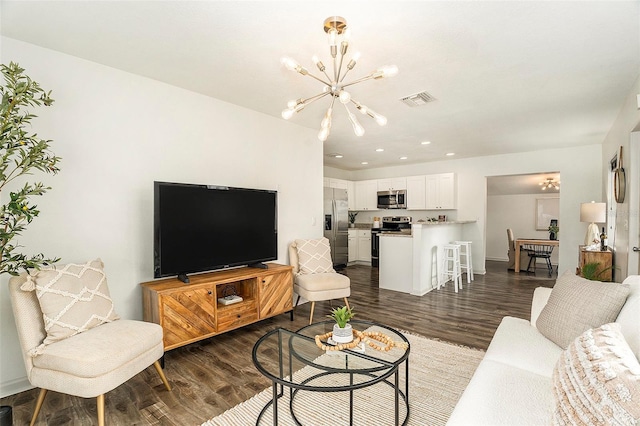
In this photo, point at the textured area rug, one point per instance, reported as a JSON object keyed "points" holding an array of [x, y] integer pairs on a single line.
{"points": [[438, 374]]}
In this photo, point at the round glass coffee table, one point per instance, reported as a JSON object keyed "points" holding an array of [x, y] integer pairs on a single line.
{"points": [[330, 384]]}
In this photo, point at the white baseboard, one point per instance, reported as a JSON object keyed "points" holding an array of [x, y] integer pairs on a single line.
{"points": [[13, 387]]}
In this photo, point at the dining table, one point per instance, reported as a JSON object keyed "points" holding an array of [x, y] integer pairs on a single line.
{"points": [[535, 242]]}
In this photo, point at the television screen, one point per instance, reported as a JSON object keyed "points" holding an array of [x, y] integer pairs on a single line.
{"points": [[203, 227]]}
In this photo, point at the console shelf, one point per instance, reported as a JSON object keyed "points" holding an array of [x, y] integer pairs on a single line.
{"points": [[191, 312]]}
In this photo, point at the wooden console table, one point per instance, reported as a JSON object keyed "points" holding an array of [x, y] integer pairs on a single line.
{"points": [[604, 258], [521, 241], [192, 312]]}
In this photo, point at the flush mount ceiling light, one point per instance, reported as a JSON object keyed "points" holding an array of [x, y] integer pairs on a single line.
{"points": [[549, 183], [333, 81]]}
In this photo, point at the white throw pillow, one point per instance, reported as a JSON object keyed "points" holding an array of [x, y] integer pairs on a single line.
{"points": [[596, 381], [576, 305], [314, 256], [73, 298]]}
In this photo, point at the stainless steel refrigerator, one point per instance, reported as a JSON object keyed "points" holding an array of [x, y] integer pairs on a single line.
{"points": [[336, 224]]}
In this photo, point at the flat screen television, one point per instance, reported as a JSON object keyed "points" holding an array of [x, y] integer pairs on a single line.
{"points": [[200, 228]]}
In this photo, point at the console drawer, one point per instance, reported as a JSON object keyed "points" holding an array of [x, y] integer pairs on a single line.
{"points": [[236, 315]]}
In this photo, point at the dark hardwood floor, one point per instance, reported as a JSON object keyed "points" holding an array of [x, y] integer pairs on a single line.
{"points": [[211, 376]]}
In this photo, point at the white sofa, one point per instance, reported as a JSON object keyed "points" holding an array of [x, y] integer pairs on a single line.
{"points": [[513, 383]]}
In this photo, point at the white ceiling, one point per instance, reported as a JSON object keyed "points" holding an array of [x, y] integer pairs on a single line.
{"points": [[508, 76], [522, 184]]}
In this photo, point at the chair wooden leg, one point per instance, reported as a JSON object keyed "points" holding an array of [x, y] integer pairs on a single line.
{"points": [[39, 401], [313, 305], [100, 403], [346, 303], [161, 374]]}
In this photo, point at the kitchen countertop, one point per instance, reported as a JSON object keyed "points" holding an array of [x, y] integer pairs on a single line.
{"points": [[395, 234], [450, 222]]}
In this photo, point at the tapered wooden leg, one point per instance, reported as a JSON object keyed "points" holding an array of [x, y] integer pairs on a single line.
{"points": [[100, 402], [313, 305], [39, 401], [346, 303], [162, 376]]}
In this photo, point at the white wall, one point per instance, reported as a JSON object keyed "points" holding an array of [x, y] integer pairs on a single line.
{"points": [[627, 121], [517, 212], [581, 181], [116, 133]]}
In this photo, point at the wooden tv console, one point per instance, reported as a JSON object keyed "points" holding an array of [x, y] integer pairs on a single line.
{"points": [[192, 312]]}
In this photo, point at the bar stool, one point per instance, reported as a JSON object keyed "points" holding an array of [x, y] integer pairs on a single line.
{"points": [[451, 266], [465, 255]]}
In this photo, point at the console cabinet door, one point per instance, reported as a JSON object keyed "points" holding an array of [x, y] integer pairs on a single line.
{"points": [[276, 294], [188, 315]]}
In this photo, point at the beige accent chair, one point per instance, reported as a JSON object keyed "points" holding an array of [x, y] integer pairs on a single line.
{"points": [[317, 287], [88, 364], [524, 254]]}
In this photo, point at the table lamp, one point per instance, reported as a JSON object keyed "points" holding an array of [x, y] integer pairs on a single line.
{"points": [[595, 213]]}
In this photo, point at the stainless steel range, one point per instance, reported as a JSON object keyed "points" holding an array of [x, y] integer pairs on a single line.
{"points": [[390, 224]]}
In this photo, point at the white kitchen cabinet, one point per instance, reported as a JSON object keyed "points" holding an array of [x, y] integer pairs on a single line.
{"points": [[392, 184], [335, 183], [366, 195], [441, 193], [353, 245], [351, 195], [364, 245], [416, 193]]}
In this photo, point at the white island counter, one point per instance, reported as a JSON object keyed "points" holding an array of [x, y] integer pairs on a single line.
{"points": [[410, 263]]}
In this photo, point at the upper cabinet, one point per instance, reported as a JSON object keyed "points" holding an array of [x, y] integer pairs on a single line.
{"points": [[392, 184], [416, 193], [366, 195], [336, 183], [441, 191]]}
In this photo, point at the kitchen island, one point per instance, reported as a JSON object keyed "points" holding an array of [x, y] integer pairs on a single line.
{"points": [[411, 263]]}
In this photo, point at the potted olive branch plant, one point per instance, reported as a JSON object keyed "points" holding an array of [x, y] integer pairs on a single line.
{"points": [[22, 153], [342, 331]]}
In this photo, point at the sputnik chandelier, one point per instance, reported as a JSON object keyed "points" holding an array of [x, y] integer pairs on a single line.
{"points": [[333, 85], [549, 183]]}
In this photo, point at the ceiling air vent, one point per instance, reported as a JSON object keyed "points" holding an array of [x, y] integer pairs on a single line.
{"points": [[418, 99]]}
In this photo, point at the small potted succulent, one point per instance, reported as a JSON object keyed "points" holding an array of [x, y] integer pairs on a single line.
{"points": [[342, 331]]}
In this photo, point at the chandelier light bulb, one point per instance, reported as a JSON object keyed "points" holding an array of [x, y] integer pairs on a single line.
{"points": [[357, 127], [292, 103], [289, 63], [326, 121], [333, 37], [287, 113], [356, 56], [323, 134], [345, 97], [380, 119], [388, 71]]}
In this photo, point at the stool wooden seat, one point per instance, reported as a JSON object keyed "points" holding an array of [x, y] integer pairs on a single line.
{"points": [[451, 266]]}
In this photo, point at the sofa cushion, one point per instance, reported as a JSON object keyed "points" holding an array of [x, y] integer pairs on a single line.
{"points": [[314, 256], [73, 299], [500, 394], [520, 345], [576, 305], [597, 380]]}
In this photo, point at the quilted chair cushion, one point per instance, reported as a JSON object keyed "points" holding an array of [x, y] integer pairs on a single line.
{"points": [[73, 299], [314, 256], [98, 360]]}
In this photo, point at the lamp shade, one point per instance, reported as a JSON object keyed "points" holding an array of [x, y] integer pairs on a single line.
{"points": [[593, 212]]}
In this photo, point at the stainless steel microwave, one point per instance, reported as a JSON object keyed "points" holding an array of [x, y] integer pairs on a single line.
{"points": [[393, 199]]}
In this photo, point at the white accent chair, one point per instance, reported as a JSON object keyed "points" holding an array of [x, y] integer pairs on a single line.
{"points": [[88, 364], [319, 286]]}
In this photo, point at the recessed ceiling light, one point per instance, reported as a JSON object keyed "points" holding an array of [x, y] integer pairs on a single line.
{"points": [[449, 154], [338, 155], [379, 149], [403, 158], [364, 163], [425, 143]]}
